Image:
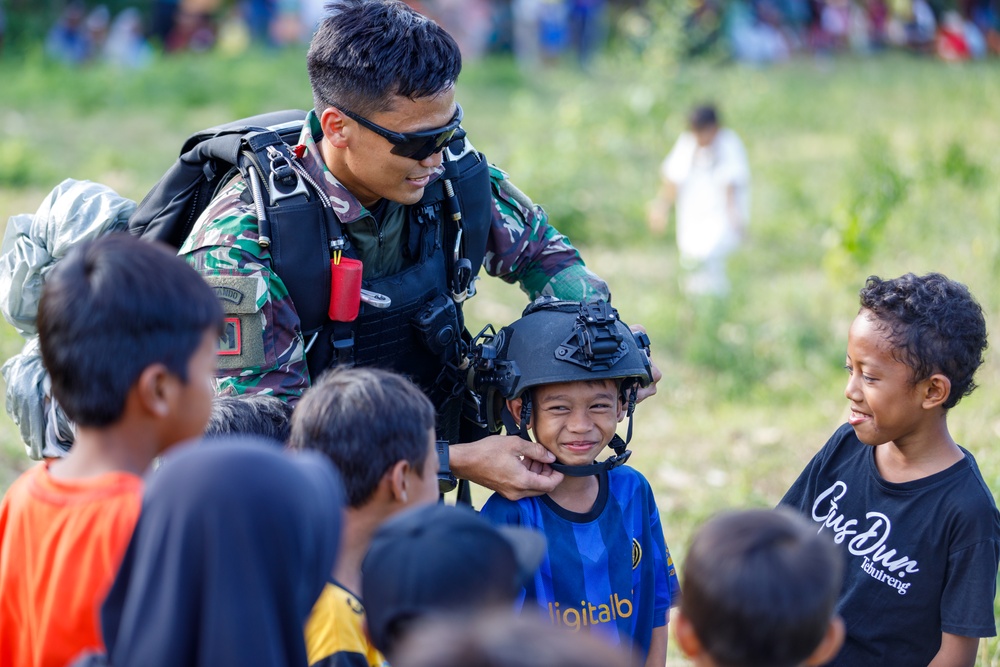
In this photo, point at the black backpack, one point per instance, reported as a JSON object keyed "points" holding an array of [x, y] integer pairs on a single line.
{"points": [[257, 149], [208, 161]]}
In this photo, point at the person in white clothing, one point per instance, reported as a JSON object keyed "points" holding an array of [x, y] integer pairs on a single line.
{"points": [[707, 177]]}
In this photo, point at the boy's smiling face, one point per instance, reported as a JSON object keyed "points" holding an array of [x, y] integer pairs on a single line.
{"points": [[574, 420], [886, 405]]}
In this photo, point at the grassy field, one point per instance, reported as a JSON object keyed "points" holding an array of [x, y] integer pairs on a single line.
{"points": [[860, 167]]}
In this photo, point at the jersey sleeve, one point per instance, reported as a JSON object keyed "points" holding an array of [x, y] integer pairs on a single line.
{"points": [[501, 512], [261, 349], [524, 248], [969, 590]]}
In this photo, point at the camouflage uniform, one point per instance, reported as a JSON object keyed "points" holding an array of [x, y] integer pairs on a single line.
{"points": [[266, 351]]}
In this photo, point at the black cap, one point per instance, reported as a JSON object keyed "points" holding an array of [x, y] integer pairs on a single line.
{"points": [[442, 558]]}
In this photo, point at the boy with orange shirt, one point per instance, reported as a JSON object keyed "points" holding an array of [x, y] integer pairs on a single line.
{"points": [[128, 334]]}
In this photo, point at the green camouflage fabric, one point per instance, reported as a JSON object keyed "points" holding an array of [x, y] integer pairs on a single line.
{"points": [[263, 350]]}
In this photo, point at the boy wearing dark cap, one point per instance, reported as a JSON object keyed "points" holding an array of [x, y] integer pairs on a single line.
{"points": [[440, 559]]}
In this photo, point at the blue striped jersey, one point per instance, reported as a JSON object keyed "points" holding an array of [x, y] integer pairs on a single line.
{"points": [[607, 570]]}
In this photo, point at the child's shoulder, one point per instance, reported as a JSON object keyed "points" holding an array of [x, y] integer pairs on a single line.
{"points": [[20, 489], [973, 495], [502, 512], [629, 478]]}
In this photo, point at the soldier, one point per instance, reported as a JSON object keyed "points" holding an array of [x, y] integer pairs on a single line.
{"points": [[413, 212]]}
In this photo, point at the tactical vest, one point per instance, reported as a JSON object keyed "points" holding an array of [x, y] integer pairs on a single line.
{"points": [[422, 333]]}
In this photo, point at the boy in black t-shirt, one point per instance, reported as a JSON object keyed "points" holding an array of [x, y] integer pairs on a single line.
{"points": [[918, 526]]}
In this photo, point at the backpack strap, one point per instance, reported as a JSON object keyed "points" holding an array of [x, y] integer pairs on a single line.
{"points": [[296, 223], [207, 160], [295, 220]]}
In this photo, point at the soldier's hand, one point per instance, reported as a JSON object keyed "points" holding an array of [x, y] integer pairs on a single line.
{"points": [[646, 392], [512, 466]]}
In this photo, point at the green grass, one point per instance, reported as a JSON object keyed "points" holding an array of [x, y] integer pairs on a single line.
{"points": [[871, 166]]}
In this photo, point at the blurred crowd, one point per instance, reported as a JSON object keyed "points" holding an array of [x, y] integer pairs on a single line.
{"points": [[536, 31], [540, 32], [762, 31]]}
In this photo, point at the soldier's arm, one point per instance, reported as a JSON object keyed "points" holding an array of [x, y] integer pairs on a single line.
{"points": [[261, 350], [524, 248]]}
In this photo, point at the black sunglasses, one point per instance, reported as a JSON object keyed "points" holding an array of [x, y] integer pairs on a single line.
{"points": [[414, 145]]}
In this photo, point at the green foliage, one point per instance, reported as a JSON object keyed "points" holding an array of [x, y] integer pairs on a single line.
{"points": [[958, 166], [18, 166], [557, 139], [875, 189]]}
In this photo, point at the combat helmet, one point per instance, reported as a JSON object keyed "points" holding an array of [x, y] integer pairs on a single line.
{"points": [[560, 341]]}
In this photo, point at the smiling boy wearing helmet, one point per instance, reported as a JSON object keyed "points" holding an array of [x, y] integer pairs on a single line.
{"points": [[569, 373]]}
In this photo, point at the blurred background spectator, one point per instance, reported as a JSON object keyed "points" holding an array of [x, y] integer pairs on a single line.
{"points": [[706, 178], [535, 32]]}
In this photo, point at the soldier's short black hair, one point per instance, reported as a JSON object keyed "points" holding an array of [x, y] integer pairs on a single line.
{"points": [[250, 414], [111, 308], [367, 51], [760, 587], [934, 325], [365, 420]]}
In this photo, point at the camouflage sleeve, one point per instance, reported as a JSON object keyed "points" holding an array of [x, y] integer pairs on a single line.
{"points": [[261, 350], [524, 248]]}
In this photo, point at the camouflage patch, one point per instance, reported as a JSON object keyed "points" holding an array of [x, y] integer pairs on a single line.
{"points": [[242, 342], [237, 294], [231, 342], [244, 335]]}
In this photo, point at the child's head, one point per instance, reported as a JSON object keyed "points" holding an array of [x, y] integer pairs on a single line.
{"points": [[250, 414], [120, 316], [378, 429], [760, 590], [703, 121], [497, 638], [931, 324], [569, 372], [574, 420], [442, 559]]}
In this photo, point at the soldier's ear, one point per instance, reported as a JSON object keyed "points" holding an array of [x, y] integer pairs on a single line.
{"points": [[335, 127]]}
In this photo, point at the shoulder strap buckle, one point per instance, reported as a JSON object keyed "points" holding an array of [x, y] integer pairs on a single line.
{"points": [[281, 172]]}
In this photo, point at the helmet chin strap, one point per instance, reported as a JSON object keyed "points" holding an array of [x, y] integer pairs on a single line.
{"points": [[619, 458]]}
